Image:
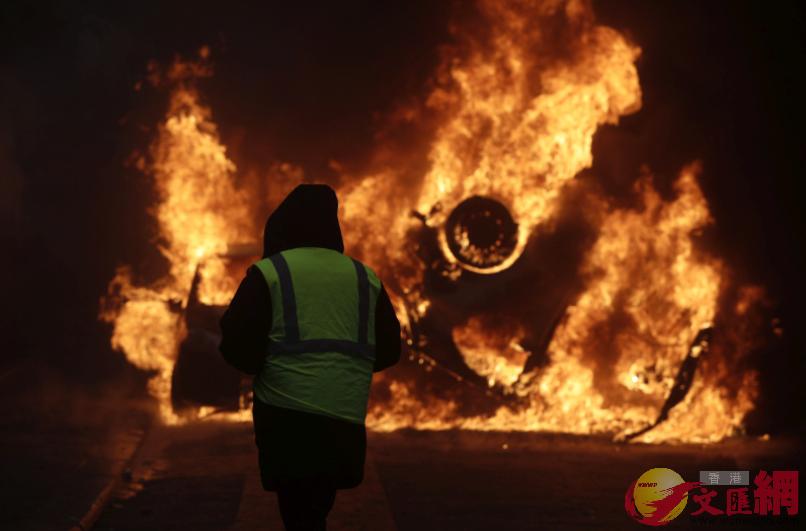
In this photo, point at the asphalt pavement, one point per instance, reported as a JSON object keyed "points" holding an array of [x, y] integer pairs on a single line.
{"points": [[204, 476], [61, 445]]}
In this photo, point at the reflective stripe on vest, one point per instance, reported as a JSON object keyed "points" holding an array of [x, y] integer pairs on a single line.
{"points": [[290, 342], [322, 337]]}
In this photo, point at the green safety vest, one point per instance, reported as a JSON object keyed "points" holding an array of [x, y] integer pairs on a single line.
{"points": [[322, 338]]}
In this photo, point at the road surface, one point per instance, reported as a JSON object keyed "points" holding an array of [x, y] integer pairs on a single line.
{"points": [[204, 476]]}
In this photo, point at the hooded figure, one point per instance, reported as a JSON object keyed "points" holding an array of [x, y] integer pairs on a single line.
{"points": [[308, 217], [311, 354]]}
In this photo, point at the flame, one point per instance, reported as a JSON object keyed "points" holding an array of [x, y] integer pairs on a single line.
{"points": [[491, 350], [644, 265], [518, 108], [503, 138], [199, 212], [506, 139]]}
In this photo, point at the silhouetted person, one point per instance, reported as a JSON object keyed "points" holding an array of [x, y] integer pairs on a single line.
{"points": [[313, 325]]}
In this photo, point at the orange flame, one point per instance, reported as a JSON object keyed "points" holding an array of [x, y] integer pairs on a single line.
{"points": [[518, 119], [644, 265], [199, 212]]}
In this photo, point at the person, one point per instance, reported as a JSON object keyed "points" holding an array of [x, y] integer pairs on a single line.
{"points": [[312, 325]]}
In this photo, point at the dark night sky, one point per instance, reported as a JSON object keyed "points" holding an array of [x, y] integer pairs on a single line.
{"points": [[306, 84]]}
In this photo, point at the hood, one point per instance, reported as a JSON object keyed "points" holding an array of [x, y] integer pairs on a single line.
{"points": [[307, 217]]}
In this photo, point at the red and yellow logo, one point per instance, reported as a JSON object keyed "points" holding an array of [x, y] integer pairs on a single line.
{"points": [[658, 496]]}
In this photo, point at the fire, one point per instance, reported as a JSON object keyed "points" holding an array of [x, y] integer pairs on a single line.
{"points": [[504, 138], [199, 213], [515, 129], [645, 266], [491, 353], [518, 109]]}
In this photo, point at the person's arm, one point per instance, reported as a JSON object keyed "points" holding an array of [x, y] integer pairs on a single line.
{"points": [[246, 323], [387, 333]]}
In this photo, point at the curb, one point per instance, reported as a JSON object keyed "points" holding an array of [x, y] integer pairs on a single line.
{"points": [[99, 504]]}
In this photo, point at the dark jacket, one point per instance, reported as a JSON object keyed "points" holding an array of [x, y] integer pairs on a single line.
{"points": [[294, 444]]}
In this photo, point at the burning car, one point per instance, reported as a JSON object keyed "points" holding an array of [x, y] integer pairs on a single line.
{"points": [[530, 298]]}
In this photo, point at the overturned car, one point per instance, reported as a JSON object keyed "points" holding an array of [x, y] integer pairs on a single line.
{"points": [[483, 328]]}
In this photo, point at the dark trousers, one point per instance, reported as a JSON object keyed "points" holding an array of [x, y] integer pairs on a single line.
{"points": [[304, 506], [294, 446]]}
